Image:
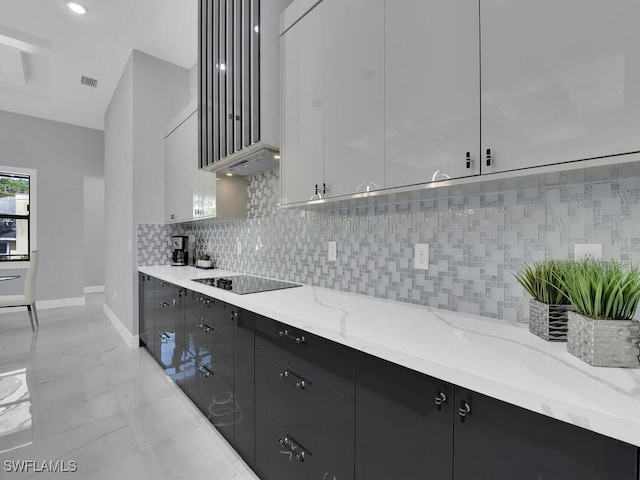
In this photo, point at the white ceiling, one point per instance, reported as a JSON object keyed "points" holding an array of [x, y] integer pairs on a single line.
{"points": [[58, 47]]}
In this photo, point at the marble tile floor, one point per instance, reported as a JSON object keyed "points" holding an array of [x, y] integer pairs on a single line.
{"points": [[74, 392]]}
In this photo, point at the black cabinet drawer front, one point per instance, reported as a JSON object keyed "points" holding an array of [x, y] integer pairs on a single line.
{"points": [[318, 416], [404, 422], [501, 441], [277, 452], [316, 357], [211, 346], [215, 312], [212, 395]]}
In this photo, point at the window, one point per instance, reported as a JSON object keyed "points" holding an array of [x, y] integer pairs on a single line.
{"points": [[15, 216]]}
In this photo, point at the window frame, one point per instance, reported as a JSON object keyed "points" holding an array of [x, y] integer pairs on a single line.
{"points": [[31, 217]]}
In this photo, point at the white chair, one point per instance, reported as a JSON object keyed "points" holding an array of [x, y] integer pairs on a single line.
{"points": [[28, 299]]}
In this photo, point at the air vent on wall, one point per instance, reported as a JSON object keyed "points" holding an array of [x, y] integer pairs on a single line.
{"points": [[90, 82]]}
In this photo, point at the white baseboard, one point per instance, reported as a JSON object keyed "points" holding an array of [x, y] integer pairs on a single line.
{"points": [[94, 289], [46, 304], [131, 340]]}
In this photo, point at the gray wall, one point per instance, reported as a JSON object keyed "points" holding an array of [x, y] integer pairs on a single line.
{"points": [[93, 231], [118, 159], [63, 156], [150, 93]]}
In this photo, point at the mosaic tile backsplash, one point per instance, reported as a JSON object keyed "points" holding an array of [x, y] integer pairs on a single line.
{"points": [[476, 241]]}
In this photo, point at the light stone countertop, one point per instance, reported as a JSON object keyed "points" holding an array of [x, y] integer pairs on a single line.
{"points": [[493, 357]]}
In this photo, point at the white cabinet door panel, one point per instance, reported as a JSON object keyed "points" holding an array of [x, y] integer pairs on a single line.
{"points": [[560, 81], [432, 94], [353, 96], [302, 108]]}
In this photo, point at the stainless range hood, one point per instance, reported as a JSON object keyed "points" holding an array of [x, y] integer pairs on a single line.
{"points": [[251, 159]]}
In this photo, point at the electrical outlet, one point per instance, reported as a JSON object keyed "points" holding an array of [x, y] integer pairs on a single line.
{"points": [[421, 256], [588, 250], [239, 247], [333, 251]]}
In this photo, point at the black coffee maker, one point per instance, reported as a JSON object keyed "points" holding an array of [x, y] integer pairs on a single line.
{"points": [[180, 254]]}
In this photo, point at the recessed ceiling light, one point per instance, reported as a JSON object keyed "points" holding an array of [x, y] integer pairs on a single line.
{"points": [[76, 8], [229, 174], [276, 156]]}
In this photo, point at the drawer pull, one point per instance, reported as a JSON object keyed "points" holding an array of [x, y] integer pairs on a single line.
{"points": [[286, 334], [297, 380], [440, 399], [205, 371], [293, 448], [205, 328], [464, 410], [164, 336], [165, 284], [164, 304]]}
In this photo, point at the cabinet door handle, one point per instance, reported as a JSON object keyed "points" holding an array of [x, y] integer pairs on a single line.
{"points": [[204, 371], [205, 328], [468, 160], [489, 157], [317, 195], [165, 284], [233, 315], [440, 399], [286, 334], [294, 448], [464, 410], [164, 304], [297, 380], [164, 336]]}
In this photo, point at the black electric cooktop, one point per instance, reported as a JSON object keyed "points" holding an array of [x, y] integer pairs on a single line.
{"points": [[243, 284]]}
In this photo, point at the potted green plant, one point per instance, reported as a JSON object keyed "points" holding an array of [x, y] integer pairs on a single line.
{"points": [[549, 304], [605, 297], [204, 260]]}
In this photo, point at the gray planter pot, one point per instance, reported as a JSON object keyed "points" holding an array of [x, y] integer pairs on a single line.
{"points": [[604, 343], [548, 321]]}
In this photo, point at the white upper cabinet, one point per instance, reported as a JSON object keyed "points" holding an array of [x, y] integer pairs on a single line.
{"points": [[353, 96], [301, 165], [189, 192], [333, 101], [432, 93], [560, 81]]}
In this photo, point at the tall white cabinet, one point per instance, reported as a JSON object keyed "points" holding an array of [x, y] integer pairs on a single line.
{"points": [[353, 96], [560, 81], [302, 108], [333, 101], [431, 90]]}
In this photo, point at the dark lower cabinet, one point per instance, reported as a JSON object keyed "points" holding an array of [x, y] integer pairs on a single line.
{"points": [[499, 441], [300, 407], [328, 362], [404, 428], [321, 418], [211, 394], [280, 456], [145, 305], [244, 385]]}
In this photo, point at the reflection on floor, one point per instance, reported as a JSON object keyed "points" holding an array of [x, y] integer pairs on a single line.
{"points": [[73, 396]]}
